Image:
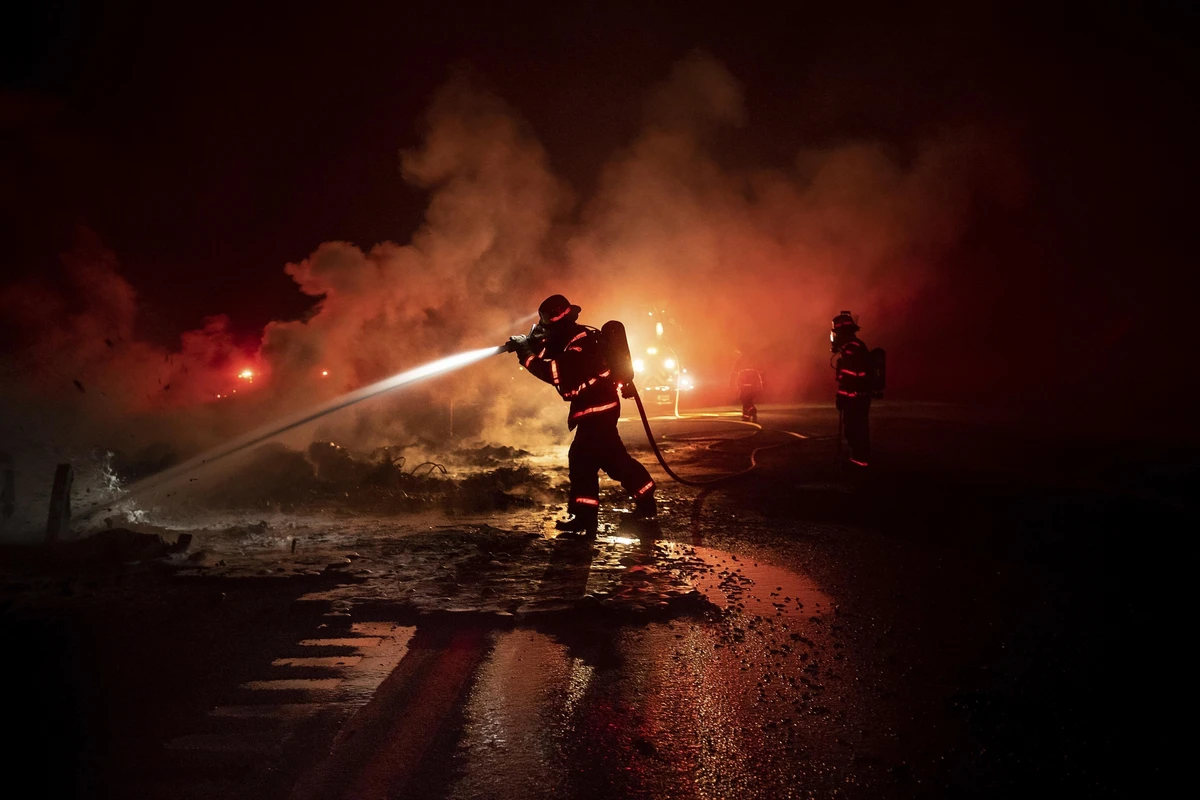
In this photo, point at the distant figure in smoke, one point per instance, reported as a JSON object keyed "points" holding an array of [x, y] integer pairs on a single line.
{"points": [[573, 359], [853, 369], [748, 381]]}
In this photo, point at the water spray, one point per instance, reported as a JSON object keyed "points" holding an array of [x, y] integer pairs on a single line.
{"points": [[267, 432]]}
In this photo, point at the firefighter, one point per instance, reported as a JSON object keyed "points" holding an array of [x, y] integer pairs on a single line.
{"points": [[853, 366], [748, 381], [572, 358]]}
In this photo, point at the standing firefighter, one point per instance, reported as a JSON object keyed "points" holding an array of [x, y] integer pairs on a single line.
{"points": [[856, 385], [573, 359]]}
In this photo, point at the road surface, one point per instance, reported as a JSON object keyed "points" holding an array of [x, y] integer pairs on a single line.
{"points": [[943, 625]]}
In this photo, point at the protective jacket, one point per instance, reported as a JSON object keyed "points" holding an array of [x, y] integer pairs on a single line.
{"points": [[574, 362], [853, 369], [750, 380]]}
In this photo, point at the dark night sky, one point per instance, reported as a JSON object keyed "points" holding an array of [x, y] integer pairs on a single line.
{"points": [[209, 146]]}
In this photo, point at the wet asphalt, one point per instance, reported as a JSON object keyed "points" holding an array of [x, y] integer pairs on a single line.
{"points": [[947, 624]]}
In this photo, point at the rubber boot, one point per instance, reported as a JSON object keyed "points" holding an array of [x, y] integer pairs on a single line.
{"points": [[584, 522], [646, 507]]}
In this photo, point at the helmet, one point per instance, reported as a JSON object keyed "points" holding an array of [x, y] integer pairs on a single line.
{"points": [[844, 327], [557, 308], [844, 323]]}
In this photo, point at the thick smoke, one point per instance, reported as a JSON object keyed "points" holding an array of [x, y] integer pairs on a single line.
{"points": [[755, 260], [468, 275], [759, 260]]}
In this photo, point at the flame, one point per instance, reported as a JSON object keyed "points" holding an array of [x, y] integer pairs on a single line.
{"points": [[246, 374]]}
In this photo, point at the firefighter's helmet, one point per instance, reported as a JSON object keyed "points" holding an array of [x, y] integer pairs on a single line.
{"points": [[844, 323], [555, 309], [844, 327]]}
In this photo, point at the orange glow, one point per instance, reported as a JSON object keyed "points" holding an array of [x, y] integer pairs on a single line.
{"points": [[246, 374], [324, 373]]}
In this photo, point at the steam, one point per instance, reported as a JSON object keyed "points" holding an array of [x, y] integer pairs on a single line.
{"points": [[759, 260], [755, 260]]}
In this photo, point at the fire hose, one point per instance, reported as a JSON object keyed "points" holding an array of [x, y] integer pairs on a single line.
{"points": [[709, 482]]}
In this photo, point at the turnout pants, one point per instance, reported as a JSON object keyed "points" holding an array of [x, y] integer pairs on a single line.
{"points": [[598, 446], [858, 433], [749, 410]]}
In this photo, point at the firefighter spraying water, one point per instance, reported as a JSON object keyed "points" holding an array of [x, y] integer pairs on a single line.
{"points": [[574, 359], [592, 369]]}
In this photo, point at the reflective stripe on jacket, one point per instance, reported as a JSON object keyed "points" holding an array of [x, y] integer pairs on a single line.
{"points": [[852, 370], [574, 363]]}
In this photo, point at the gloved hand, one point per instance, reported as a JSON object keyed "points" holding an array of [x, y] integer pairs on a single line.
{"points": [[519, 345], [628, 390]]}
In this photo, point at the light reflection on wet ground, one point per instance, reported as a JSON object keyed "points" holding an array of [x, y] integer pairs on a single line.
{"points": [[663, 663], [734, 702], [580, 622]]}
